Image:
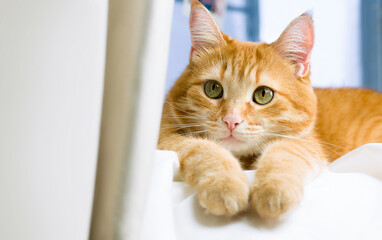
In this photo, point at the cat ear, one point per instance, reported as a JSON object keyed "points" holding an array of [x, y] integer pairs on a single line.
{"points": [[296, 43], [204, 31]]}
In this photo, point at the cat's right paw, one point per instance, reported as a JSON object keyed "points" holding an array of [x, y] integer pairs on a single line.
{"points": [[225, 196]]}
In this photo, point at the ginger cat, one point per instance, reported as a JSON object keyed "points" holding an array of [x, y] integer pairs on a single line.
{"points": [[251, 105]]}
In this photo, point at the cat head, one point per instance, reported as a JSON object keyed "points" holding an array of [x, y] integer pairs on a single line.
{"points": [[244, 94]]}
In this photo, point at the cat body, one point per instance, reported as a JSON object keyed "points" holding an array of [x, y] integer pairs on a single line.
{"points": [[347, 118], [251, 105]]}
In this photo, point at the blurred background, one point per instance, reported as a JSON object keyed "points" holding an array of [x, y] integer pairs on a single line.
{"points": [[348, 36], [81, 84]]}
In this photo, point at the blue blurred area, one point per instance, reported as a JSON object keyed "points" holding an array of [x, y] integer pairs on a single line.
{"points": [[180, 46], [371, 25]]}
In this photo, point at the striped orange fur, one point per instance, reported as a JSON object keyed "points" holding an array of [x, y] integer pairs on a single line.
{"points": [[289, 140]]}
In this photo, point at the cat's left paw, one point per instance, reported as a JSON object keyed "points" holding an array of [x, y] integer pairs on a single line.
{"points": [[274, 197]]}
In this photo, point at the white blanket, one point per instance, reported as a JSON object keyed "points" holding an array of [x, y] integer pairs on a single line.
{"points": [[344, 202]]}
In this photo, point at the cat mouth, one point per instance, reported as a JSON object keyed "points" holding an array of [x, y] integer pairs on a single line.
{"points": [[232, 139]]}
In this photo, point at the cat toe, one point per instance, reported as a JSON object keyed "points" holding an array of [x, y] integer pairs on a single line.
{"points": [[225, 198], [274, 198]]}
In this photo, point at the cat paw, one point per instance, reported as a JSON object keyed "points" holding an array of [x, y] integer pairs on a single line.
{"points": [[225, 196], [274, 198]]}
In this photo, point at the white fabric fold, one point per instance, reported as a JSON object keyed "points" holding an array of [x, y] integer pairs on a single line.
{"points": [[343, 202]]}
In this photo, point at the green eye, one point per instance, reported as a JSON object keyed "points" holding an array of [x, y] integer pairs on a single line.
{"points": [[263, 95], [213, 89]]}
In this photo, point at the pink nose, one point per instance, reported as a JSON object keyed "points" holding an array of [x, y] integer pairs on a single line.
{"points": [[232, 121]]}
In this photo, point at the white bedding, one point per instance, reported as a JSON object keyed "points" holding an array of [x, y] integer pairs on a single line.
{"points": [[344, 202]]}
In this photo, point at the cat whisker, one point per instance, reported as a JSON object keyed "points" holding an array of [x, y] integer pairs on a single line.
{"points": [[213, 124], [321, 141], [176, 127], [190, 113], [305, 140], [198, 132]]}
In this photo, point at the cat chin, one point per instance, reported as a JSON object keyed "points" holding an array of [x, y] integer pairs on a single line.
{"points": [[236, 146], [239, 148], [232, 140]]}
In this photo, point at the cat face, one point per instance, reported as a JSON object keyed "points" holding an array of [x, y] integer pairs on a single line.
{"points": [[241, 94]]}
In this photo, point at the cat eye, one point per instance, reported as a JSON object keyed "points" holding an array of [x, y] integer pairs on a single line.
{"points": [[213, 89], [263, 95]]}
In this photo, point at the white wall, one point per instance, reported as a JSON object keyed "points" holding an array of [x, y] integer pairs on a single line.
{"points": [[51, 83], [336, 59]]}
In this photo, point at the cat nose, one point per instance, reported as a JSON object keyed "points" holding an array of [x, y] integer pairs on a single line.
{"points": [[232, 121]]}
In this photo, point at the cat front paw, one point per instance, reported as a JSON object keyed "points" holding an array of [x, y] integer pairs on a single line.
{"points": [[273, 198], [225, 196]]}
